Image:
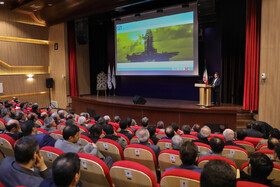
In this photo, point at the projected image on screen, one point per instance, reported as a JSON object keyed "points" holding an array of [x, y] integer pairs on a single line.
{"points": [[158, 46]]}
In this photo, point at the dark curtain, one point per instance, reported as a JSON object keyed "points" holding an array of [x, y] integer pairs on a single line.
{"points": [[73, 79], [252, 57], [233, 18]]}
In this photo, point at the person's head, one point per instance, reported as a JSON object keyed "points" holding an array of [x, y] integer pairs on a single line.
{"points": [[272, 142], [55, 116], [176, 142], [196, 127], [123, 124], [248, 126], [107, 119], [82, 120], [108, 129], [49, 122], [49, 108], [277, 152], [70, 122], [35, 107], [133, 122], [228, 134], [22, 105], [101, 121], [32, 117], [216, 75], [143, 135], [174, 126], [5, 112], [256, 125], [169, 131], [61, 113], [160, 125], [152, 130], [217, 173], [186, 129], [205, 132], [188, 153], [96, 130], [20, 115], [145, 121], [260, 166], [28, 128], [12, 126], [69, 116], [96, 117], [217, 144], [44, 115], [222, 128], [26, 150], [274, 133], [241, 134], [71, 133], [117, 119], [66, 170], [129, 121]]}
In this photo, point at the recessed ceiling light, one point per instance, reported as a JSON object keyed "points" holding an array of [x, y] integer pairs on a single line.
{"points": [[2, 2], [50, 4]]}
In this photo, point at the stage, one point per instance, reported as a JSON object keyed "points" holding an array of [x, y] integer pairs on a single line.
{"points": [[166, 110]]}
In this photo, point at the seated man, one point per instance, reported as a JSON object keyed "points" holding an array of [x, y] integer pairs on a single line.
{"points": [[5, 112], [27, 168], [260, 167], [61, 114], [143, 139], [186, 129], [195, 128], [241, 134], [274, 133], [271, 143], [152, 131], [21, 117], [277, 154], [83, 122], [124, 131], [49, 125], [111, 134], [56, 118], [254, 131], [176, 142], [70, 122], [188, 156], [217, 145], [229, 138], [65, 171], [160, 126], [117, 119], [175, 126], [28, 128], [129, 123], [204, 134], [12, 129], [169, 131], [145, 121], [94, 133], [217, 173]]}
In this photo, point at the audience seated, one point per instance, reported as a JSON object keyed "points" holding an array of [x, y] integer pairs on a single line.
{"points": [[176, 142], [65, 171], [195, 128], [204, 134], [188, 156], [101, 121], [271, 143], [5, 112], [56, 118], [217, 173], [95, 132], [175, 126], [152, 131], [274, 133], [117, 119], [111, 134], [263, 127], [44, 115], [35, 110], [186, 129], [229, 138], [61, 114], [50, 125], [33, 117], [27, 168], [260, 167], [13, 128], [29, 128], [145, 121], [160, 126], [129, 121], [169, 131], [21, 117], [241, 134], [217, 145], [254, 131], [124, 131], [143, 136], [70, 122], [83, 122]]}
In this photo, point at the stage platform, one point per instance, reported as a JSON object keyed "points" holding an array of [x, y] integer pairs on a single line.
{"points": [[166, 110]]}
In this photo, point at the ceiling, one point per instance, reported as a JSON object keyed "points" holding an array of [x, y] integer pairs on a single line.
{"points": [[56, 11]]}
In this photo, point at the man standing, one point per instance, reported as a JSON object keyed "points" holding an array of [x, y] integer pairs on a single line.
{"points": [[216, 89]]}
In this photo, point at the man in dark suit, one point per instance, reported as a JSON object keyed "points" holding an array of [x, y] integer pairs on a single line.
{"points": [[216, 89], [143, 138], [124, 131], [12, 129], [27, 168]]}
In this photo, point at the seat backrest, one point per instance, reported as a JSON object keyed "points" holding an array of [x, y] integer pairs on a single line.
{"points": [[268, 153], [204, 160], [160, 135], [128, 173], [82, 129], [134, 139], [84, 140], [180, 177], [188, 137], [250, 148], [263, 146], [110, 148], [130, 131], [168, 158], [2, 124], [50, 154], [164, 144], [40, 122], [41, 131], [240, 155], [218, 135], [142, 155], [254, 141], [202, 147], [124, 138], [248, 184], [94, 172], [6, 145], [60, 126], [57, 135]]}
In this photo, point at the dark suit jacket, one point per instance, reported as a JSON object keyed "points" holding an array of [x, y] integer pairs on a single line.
{"points": [[16, 135], [155, 148], [44, 140], [231, 143], [254, 133], [217, 85], [127, 134], [12, 174], [202, 140]]}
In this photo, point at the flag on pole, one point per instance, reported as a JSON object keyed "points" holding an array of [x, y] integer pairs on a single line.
{"points": [[205, 76], [114, 78], [109, 81]]}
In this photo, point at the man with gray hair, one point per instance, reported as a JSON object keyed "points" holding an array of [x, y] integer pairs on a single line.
{"points": [[176, 142], [83, 122], [107, 119], [204, 134], [61, 114], [160, 126], [229, 138], [50, 125], [56, 118], [145, 121], [6, 114], [143, 136]]}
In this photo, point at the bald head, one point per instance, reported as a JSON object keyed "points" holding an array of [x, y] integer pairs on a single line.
{"points": [[271, 143], [205, 132], [12, 125], [228, 134], [143, 135]]}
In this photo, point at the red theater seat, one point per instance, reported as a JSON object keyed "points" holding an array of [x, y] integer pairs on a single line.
{"points": [[41, 131], [250, 148], [6, 146], [84, 140], [268, 153], [204, 160], [180, 177], [188, 137], [240, 155], [249, 184], [168, 158], [111, 148], [164, 144], [254, 141], [2, 124], [57, 135], [218, 135], [263, 146], [82, 129], [124, 138], [50, 154], [202, 147]]}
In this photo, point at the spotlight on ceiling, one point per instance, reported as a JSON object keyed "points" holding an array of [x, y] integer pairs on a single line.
{"points": [[2, 2]]}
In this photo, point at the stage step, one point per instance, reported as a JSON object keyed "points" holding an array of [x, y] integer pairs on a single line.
{"points": [[243, 117]]}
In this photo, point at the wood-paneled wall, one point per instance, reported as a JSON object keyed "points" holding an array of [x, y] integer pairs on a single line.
{"points": [[269, 97]]}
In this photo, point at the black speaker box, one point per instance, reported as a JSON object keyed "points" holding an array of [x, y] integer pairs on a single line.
{"points": [[49, 82], [139, 100]]}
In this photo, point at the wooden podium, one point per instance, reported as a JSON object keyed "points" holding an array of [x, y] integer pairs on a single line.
{"points": [[204, 94]]}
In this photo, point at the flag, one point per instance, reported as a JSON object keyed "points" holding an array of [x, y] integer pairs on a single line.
{"points": [[109, 81], [205, 76], [114, 78]]}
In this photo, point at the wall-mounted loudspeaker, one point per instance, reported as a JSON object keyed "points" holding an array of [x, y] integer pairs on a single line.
{"points": [[49, 82]]}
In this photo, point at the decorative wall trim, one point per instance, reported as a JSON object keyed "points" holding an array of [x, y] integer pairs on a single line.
{"points": [[24, 94], [23, 40]]}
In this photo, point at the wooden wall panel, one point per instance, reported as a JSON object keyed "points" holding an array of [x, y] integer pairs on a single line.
{"points": [[269, 97]]}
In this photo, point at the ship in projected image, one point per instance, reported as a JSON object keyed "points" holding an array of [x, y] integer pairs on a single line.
{"points": [[150, 54]]}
